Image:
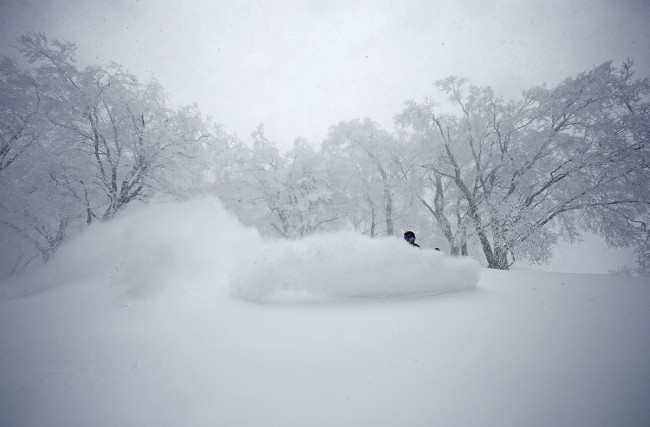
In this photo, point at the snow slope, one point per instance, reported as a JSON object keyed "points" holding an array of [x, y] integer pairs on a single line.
{"points": [[141, 322]]}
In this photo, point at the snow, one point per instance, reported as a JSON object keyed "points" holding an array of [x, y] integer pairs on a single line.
{"points": [[175, 314], [589, 255], [350, 265]]}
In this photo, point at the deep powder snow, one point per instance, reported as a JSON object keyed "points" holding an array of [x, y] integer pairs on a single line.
{"points": [[148, 321]]}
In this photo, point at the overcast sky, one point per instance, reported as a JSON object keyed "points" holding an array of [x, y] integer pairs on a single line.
{"points": [[302, 66]]}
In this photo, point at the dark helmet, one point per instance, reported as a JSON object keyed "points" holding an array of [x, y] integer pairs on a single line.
{"points": [[409, 236]]}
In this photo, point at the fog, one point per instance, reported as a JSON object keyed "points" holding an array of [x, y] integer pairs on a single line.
{"points": [[310, 69], [209, 211], [302, 66]]}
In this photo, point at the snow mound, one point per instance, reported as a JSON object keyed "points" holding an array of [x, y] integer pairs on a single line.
{"points": [[347, 264]]}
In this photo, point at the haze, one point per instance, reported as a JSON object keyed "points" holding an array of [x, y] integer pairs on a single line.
{"points": [[300, 67]]}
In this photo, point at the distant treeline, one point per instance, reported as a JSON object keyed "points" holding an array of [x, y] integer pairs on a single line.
{"points": [[500, 179]]}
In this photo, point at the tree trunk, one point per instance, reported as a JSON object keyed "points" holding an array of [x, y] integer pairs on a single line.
{"points": [[388, 200], [499, 259], [389, 212]]}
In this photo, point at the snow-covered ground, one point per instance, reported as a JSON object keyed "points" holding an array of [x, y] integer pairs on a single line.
{"points": [[176, 315]]}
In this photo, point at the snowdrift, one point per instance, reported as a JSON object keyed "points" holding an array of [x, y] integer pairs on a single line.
{"points": [[170, 245]]}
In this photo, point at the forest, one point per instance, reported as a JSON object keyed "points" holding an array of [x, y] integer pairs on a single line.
{"points": [[471, 172]]}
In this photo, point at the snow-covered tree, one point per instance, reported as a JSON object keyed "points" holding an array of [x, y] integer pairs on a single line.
{"points": [[531, 170], [122, 127], [365, 163], [20, 120], [287, 194], [78, 145], [433, 190], [507, 178]]}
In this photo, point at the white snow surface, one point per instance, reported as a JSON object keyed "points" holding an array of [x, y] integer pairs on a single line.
{"points": [[175, 314]]}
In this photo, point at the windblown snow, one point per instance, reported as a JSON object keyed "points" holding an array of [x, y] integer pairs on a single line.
{"points": [[170, 244], [174, 314], [350, 265]]}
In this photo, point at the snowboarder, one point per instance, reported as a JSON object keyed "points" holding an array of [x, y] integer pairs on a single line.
{"points": [[409, 236]]}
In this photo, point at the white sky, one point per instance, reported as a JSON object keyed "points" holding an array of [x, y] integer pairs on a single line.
{"points": [[302, 66]]}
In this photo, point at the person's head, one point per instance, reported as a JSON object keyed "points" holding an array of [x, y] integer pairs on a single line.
{"points": [[409, 236]]}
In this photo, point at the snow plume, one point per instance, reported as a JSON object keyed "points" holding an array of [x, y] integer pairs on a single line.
{"points": [[347, 264], [149, 248], [165, 244]]}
